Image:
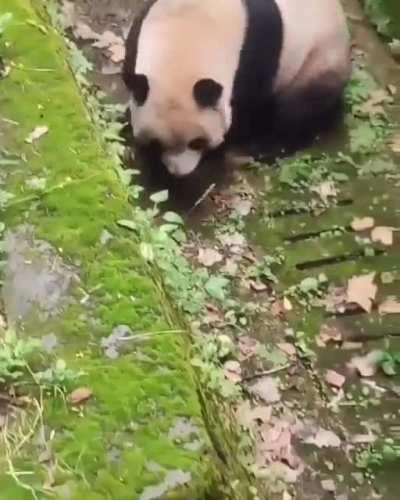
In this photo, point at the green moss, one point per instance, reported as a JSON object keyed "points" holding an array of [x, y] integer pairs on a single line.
{"points": [[138, 397]]}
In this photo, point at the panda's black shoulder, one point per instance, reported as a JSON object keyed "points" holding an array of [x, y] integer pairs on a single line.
{"points": [[131, 45], [261, 50]]}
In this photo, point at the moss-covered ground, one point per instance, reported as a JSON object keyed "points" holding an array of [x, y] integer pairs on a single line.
{"points": [[119, 443]]}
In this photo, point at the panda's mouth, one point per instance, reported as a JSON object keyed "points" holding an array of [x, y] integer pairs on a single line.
{"points": [[182, 164]]}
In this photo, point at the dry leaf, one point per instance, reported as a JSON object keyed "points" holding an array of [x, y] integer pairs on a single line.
{"points": [[230, 267], [235, 239], [362, 291], [383, 234], [334, 379], [36, 134], [248, 416], [233, 371], [328, 485], [243, 207], [389, 306], [395, 144], [80, 396], [257, 286], [288, 349], [278, 444], [363, 439], [248, 347], [84, 32], [329, 334], [267, 389], [362, 223], [208, 257], [335, 299], [366, 366], [287, 305], [374, 105], [325, 190], [324, 439], [112, 44]]}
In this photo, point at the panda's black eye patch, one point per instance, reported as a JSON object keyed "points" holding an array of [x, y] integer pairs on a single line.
{"points": [[139, 86], [198, 144], [207, 92]]}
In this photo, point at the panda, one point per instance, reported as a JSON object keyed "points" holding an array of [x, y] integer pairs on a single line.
{"points": [[206, 73]]}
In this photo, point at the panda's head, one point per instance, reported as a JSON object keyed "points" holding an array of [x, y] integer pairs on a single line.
{"points": [[183, 123]]}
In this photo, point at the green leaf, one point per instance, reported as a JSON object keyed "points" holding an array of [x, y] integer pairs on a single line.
{"points": [[389, 367], [128, 224], [5, 19], [216, 287], [146, 251], [173, 218], [159, 197]]}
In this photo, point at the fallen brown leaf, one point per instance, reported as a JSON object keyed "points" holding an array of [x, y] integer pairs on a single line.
{"points": [[325, 190], [267, 389], [329, 334], [233, 371], [389, 306], [278, 444], [395, 144], [288, 349], [335, 299], [36, 134], [366, 366], [334, 379], [112, 45], [324, 438], [80, 396], [208, 257], [362, 291], [234, 239], [230, 267], [362, 223], [248, 347], [257, 286], [248, 416], [374, 105], [84, 31], [287, 305], [243, 207], [383, 234]]}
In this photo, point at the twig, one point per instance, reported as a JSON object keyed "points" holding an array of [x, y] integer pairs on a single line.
{"points": [[210, 188], [267, 372]]}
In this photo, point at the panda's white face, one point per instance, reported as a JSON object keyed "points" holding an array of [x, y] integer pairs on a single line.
{"points": [[181, 129]]}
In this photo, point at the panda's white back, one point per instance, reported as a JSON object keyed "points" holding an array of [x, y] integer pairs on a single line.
{"points": [[315, 38]]}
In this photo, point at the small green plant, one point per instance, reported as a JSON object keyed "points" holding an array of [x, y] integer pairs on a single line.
{"points": [[308, 290], [15, 356], [264, 270], [375, 456], [390, 363], [22, 361], [303, 171]]}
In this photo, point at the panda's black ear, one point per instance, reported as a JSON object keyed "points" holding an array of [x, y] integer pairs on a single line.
{"points": [[207, 92], [139, 85]]}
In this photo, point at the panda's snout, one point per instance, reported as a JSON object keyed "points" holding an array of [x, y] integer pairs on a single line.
{"points": [[181, 164]]}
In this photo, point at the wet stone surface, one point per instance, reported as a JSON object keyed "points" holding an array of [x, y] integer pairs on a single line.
{"points": [[37, 282]]}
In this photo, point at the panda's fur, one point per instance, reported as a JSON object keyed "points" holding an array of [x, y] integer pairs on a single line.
{"points": [[202, 72]]}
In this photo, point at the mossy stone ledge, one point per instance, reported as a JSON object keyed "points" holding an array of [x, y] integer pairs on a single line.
{"points": [[73, 274]]}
